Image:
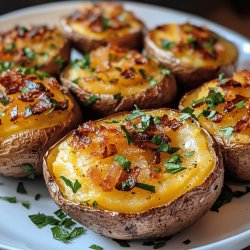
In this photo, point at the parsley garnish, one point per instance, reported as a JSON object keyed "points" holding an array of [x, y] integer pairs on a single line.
{"points": [[92, 100], [143, 73], [21, 189], [173, 164], [59, 61], [105, 23], [240, 104], [26, 204], [95, 247], [189, 154], [95, 204], [10, 199], [117, 96], [227, 130], [156, 120], [145, 187], [124, 162], [113, 121], [221, 78], [187, 113], [156, 139], [214, 98], [165, 72], [29, 53], [77, 80], [9, 47], [167, 45], [128, 136], [74, 186], [164, 147], [135, 113], [60, 214], [28, 168]]}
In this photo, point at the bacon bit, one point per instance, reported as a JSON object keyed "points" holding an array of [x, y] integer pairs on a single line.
{"points": [[230, 105], [139, 59], [95, 175], [96, 24], [0, 122], [173, 124], [42, 105], [111, 177], [128, 74], [127, 180], [14, 114], [217, 118], [157, 158], [229, 83], [142, 140], [242, 124], [108, 151]]}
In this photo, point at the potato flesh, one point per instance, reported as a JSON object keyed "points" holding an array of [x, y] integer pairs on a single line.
{"points": [[100, 82], [109, 11], [229, 119], [44, 120], [45, 47], [190, 57], [65, 161]]}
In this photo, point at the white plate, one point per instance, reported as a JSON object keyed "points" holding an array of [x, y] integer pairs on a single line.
{"points": [[228, 229]]}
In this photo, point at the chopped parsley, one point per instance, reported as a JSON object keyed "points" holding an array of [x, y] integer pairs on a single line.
{"points": [[9, 47], [59, 61], [92, 100], [60, 214], [198, 102], [124, 162], [26, 204], [240, 104], [77, 80], [214, 98], [21, 189], [143, 73], [117, 96], [227, 130], [164, 147], [165, 72], [173, 166], [157, 120], [189, 154], [187, 113], [167, 45], [152, 81], [221, 78], [146, 187], [105, 23], [122, 243], [29, 53], [156, 139], [95, 204], [128, 136], [28, 168], [135, 113], [10, 199], [95, 247], [74, 186], [113, 121]]}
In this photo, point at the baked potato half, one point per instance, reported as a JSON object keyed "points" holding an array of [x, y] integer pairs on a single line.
{"points": [[112, 79], [194, 54], [35, 112], [223, 107], [41, 47], [135, 175], [97, 24]]}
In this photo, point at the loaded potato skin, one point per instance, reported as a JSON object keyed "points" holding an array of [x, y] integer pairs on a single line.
{"points": [[222, 107], [98, 24], [112, 79], [34, 113], [194, 54], [41, 47], [135, 175]]}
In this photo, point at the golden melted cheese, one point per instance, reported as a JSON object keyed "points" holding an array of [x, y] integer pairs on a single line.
{"points": [[64, 160], [31, 46], [114, 70], [194, 46], [46, 119], [229, 119], [104, 21]]}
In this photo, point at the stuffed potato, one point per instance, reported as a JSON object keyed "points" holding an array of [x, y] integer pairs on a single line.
{"points": [[34, 113], [223, 107], [39, 47], [135, 175], [112, 79], [95, 25], [194, 54]]}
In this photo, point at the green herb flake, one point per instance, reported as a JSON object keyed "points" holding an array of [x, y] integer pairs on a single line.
{"points": [[113, 121], [146, 187], [117, 96], [173, 168], [152, 82], [122, 243], [59, 61], [74, 186], [165, 72], [198, 102], [10, 199], [21, 189], [77, 231], [143, 73], [105, 23], [167, 45], [135, 113], [157, 120], [189, 154], [128, 136], [95, 204], [221, 78], [60, 214], [9, 47], [29, 53], [164, 147], [28, 168], [60, 234], [124, 162], [95, 247], [240, 104], [77, 80], [92, 100], [41, 220], [214, 98], [156, 139], [26, 204], [227, 130]]}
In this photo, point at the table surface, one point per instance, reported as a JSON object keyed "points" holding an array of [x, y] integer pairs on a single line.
{"points": [[230, 13]]}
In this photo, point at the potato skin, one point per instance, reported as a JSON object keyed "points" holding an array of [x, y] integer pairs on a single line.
{"points": [[29, 146], [187, 77], [154, 97], [87, 44], [160, 221]]}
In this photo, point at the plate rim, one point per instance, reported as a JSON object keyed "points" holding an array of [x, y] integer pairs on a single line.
{"points": [[62, 4]]}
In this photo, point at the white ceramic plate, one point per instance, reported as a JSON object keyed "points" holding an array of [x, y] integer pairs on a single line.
{"points": [[228, 229]]}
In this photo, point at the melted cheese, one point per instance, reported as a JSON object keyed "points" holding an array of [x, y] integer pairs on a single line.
{"points": [[227, 52], [65, 161], [106, 70]]}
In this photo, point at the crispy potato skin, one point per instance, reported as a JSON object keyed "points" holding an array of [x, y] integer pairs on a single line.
{"points": [[187, 77], [160, 221], [87, 44], [154, 97], [29, 146]]}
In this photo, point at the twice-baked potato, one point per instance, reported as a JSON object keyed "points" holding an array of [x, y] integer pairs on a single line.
{"points": [[41, 47], [95, 25], [135, 175], [194, 54], [112, 79], [35, 112], [223, 108]]}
